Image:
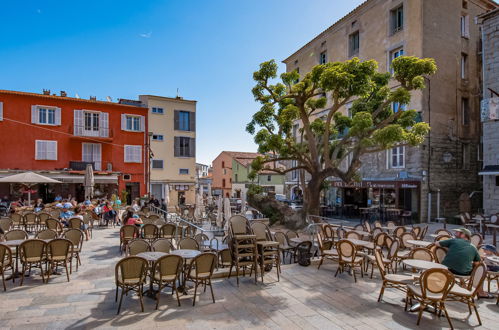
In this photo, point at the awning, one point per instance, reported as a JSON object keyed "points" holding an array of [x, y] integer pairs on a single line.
{"points": [[490, 170], [110, 179]]}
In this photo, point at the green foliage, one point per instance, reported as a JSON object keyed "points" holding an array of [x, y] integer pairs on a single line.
{"points": [[254, 189]]}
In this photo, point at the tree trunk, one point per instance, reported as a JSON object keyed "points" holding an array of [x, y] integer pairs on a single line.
{"points": [[311, 203]]}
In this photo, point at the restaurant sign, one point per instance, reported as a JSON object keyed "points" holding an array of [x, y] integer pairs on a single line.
{"points": [[373, 184]]}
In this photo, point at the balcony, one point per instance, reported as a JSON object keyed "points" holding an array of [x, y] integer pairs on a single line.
{"points": [[100, 133], [80, 166]]}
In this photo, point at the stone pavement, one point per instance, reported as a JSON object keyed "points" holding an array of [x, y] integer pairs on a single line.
{"points": [[304, 298]]}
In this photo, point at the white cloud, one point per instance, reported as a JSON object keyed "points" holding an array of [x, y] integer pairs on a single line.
{"points": [[146, 35]]}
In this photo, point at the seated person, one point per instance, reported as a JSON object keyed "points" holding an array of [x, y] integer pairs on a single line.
{"points": [[135, 220], [65, 215], [490, 250]]}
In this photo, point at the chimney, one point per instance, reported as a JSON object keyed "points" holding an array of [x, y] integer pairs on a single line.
{"points": [[64, 94], [46, 91], [93, 98]]}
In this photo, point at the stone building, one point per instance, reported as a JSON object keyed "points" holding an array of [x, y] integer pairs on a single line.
{"points": [[448, 162], [489, 23]]}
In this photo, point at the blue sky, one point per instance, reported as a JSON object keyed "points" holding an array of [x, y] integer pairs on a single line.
{"points": [[207, 49]]}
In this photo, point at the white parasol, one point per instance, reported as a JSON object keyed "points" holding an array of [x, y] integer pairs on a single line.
{"points": [[28, 179], [198, 211], [243, 202], [88, 182], [227, 210], [219, 212]]}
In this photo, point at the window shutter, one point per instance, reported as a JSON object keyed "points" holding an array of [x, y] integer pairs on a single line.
{"points": [[176, 147], [138, 150], [104, 124], [142, 124], [192, 147], [192, 121], [1, 111], [34, 114], [176, 120], [58, 116], [37, 149], [467, 25], [127, 154], [123, 122], [52, 150], [78, 122]]}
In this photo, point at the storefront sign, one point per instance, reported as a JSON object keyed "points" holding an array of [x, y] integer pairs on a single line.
{"points": [[374, 184]]}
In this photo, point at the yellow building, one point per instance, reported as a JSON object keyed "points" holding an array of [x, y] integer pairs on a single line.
{"points": [[172, 137]]}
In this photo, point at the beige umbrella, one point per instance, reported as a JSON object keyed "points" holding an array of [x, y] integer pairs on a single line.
{"points": [[219, 212], [29, 179], [243, 202], [198, 212], [210, 197], [227, 210], [88, 182]]}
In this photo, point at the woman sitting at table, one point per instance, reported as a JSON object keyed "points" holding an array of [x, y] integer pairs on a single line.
{"points": [[39, 205], [132, 219]]}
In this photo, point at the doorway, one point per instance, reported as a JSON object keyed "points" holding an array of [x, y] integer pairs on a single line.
{"points": [[133, 190]]}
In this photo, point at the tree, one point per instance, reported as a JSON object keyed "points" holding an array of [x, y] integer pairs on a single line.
{"points": [[322, 144]]}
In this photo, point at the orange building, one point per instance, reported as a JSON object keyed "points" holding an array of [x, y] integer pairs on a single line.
{"points": [[57, 136]]}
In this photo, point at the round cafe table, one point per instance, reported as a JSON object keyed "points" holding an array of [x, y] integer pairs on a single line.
{"points": [[422, 264], [186, 254], [358, 242], [421, 243], [214, 246], [151, 256], [363, 233]]}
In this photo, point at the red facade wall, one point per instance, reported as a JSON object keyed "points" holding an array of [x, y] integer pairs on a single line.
{"points": [[18, 135]]}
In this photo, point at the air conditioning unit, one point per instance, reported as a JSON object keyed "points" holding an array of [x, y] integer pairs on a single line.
{"points": [[127, 177]]}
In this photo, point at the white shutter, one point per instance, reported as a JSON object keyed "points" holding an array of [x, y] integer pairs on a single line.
{"points": [[467, 26], [127, 153], [34, 114], [51, 147], [58, 116], [104, 124], [139, 154], [1, 111], [78, 123], [97, 156], [142, 123], [123, 122], [37, 149]]}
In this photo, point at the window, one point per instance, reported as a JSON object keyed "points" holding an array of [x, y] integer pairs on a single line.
{"points": [[91, 121], [396, 107], [464, 66], [184, 147], [223, 164], [45, 115], [183, 171], [158, 111], [236, 177], [354, 43], [297, 80], [465, 108], [465, 26], [91, 152], [397, 157], [157, 137], [184, 121], [397, 19], [465, 4], [157, 163], [133, 154], [497, 181], [294, 173], [132, 123], [269, 178], [323, 57], [394, 54], [466, 156], [223, 183], [1, 111], [45, 150]]}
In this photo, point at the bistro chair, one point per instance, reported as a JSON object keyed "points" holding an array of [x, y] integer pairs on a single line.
{"points": [[353, 235], [5, 263], [367, 226], [75, 223], [476, 240], [55, 225], [46, 234], [468, 294], [388, 262], [359, 228], [327, 250], [225, 259], [137, 246], [434, 286], [200, 271], [59, 253], [130, 275], [17, 220], [328, 233], [390, 281], [162, 245], [267, 249], [377, 224], [399, 231], [166, 270], [42, 217], [16, 234], [200, 238], [188, 244], [376, 231], [284, 247], [391, 224], [347, 253], [379, 241], [76, 237], [341, 232], [442, 238], [30, 220], [149, 232], [442, 231], [127, 233], [423, 232], [291, 234], [5, 224], [32, 255], [421, 253], [439, 253], [244, 248], [416, 231], [405, 237], [168, 230]]}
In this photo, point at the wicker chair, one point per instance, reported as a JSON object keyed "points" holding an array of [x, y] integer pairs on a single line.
{"points": [[30, 220], [267, 249], [347, 253], [162, 245], [200, 271], [130, 275], [75, 223], [327, 250], [421, 253], [32, 254], [284, 247], [42, 217], [149, 232], [46, 234], [439, 253], [243, 245], [390, 281], [137, 246], [442, 238], [476, 240], [399, 231], [59, 253], [390, 262], [434, 286], [341, 233], [468, 294], [15, 234], [127, 233], [55, 225], [5, 224], [166, 270], [188, 244], [200, 238], [168, 230], [442, 231], [17, 220], [291, 234], [5, 263], [353, 235], [76, 237]]}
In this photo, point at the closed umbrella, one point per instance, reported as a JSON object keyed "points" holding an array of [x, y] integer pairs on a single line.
{"points": [[227, 210], [219, 212], [243, 202], [29, 179], [88, 182], [198, 211], [210, 197]]}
